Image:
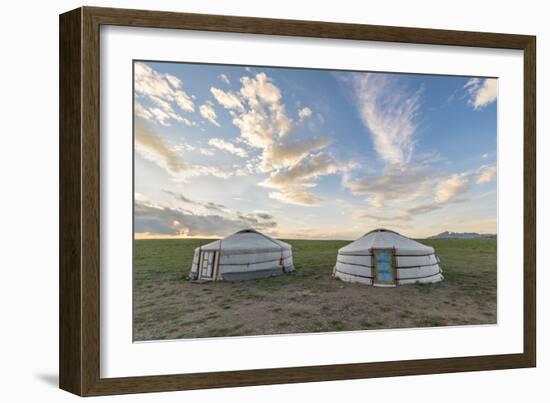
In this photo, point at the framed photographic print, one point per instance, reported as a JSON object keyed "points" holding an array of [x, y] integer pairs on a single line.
{"points": [[249, 201]]}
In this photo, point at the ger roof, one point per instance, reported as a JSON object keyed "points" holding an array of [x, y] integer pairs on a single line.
{"points": [[382, 238], [247, 240]]}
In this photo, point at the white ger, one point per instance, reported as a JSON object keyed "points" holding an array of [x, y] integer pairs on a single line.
{"points": [[384, 258], [245, 255]]}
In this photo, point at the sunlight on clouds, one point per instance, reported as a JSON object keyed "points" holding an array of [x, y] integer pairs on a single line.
{"points": [[291, 162], [393, 186], [227, 146], [290, 152], [375, 164], [206, 151], [227, 99], [449, 188], [153, 148], [409, 197], [304, 173], [168, 222], [408, 186], [142, 112], [297, 197], [482, 91], [259, 89], [486, 173], [163, 90], [211, 219], [209, 114]]}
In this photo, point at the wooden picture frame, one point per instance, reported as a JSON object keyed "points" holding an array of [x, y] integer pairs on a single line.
{"points": [[79, 348]]}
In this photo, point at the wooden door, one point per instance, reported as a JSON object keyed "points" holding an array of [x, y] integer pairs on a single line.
{"points": [[384, 267]]}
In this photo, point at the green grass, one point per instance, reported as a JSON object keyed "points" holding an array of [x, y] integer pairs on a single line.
{"points": [[167, 306]]}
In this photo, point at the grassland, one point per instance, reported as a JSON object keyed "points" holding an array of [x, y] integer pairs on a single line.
{"points": [[167, 306]]}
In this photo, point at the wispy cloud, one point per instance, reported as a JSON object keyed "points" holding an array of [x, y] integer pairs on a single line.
{"points": [[486, 173], [393, 186], [451, 187], [224, 78], [388, 110], [208, 112], [150, 146], [288, 153], [482, 91], [163, 90], [206, 151], [207, 205], [409, 184], [227, 146], [141, 112], [228, 100], [304, 173], [296, 197], [419, 195]]}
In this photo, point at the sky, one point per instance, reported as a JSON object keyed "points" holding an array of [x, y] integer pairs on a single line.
{"points": [[311, 154]]}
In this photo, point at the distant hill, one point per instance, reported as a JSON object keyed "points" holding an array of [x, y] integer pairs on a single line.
{"points": [[461, 235]]}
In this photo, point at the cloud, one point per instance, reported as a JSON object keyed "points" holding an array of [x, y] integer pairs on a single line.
{"points": [[484, 156], [215, 219], [304, 113], [209, 114], [163, 90], [187, 200], [409, 184], [388, 111], [151, 147], [258, 220], [159, 220], [449, 188], [227, 99], [482, 91], [142, 112], [486, 174], [386, 218], [290, 151], [304, 173], [264, 119], [181, 197], [297, 197], [206, 151], [410, 213], [160, 116], [292, 183], [259, 89], [292, 162], [393, 186], [410, 196], [227, 146], [224, 78]]}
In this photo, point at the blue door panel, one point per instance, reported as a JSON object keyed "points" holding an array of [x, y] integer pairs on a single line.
{"points": [[384, 266], [383, 256]]}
